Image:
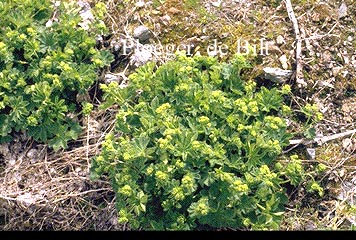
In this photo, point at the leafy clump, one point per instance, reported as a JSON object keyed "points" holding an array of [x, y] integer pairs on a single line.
{"points": [[195, 147], [44, 64]]}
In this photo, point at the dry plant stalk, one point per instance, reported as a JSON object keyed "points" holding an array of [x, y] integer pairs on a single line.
{"points": [[298, 52]]}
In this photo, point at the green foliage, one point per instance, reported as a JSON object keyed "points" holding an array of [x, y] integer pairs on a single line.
{"points": [[313, 115], [195, 146], [42, 69]]}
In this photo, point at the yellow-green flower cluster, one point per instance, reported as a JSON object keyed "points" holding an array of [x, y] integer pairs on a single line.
{"points": [[274, 122], [163, 108], [164, 142], [274, 144], [238, 186], [178, 193], [126, 190], [286, 89], [188, 182], [161, 176], [250, 86], [123, 216], [181, 87], [201, 207], [171, 131], [266, 176], [218, 95], [253, 107], [224, 176], [241, 105]]}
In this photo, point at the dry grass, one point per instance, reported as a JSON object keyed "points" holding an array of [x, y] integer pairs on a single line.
{"points": [[43, 190]]}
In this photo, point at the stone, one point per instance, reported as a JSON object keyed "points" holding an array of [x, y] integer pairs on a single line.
{"points": [[140, 4], [140, 57], [347, 144], [165, 19], [142, 33], [216, 4], [280, 40], [109, 77], [277, 75], [86, 14], [335, 71], [283, 60], [342, 10], [32, 154], [311, 153]]}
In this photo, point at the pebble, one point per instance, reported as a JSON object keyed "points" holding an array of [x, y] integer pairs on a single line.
{"points": [[280, 40], [140, 4], [32, 153], [141, 57], [311, 153], [142, 33], [283, 60], [347, 144], [277, 74], [335, 71], [342, 10]]}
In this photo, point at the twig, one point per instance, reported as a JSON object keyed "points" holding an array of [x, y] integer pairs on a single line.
{"points": [[322, 140], [298, 51], [87, 143]]}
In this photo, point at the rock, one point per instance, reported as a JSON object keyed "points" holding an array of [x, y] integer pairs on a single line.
{"points": [[109, 77], [4, 149], [165, 19], [49, 23], [335, 71], [277, 74], [342, 10], [140, 57], [326, 83], [86, 14], [216, 4], [142, 33], [347, 144], [273, 48], [346, 59], [26, 198], [140, 4], [311, 153], [280, 40], [283, 60], [33, 155]]}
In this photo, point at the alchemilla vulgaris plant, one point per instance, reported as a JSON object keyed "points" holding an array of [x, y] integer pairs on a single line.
{"points": [[195, 147], [46, 60]]}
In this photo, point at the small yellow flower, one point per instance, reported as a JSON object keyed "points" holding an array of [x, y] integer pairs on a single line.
{"points": [[22, 36], [163, 108], [30, 30], [126, 190], [161, 176], [203, 120], [2, 45], [239, 186]]}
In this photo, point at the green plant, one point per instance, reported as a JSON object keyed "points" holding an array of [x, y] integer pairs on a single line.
{"points": [[195, 147], [312, 115], [43, 68]]}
